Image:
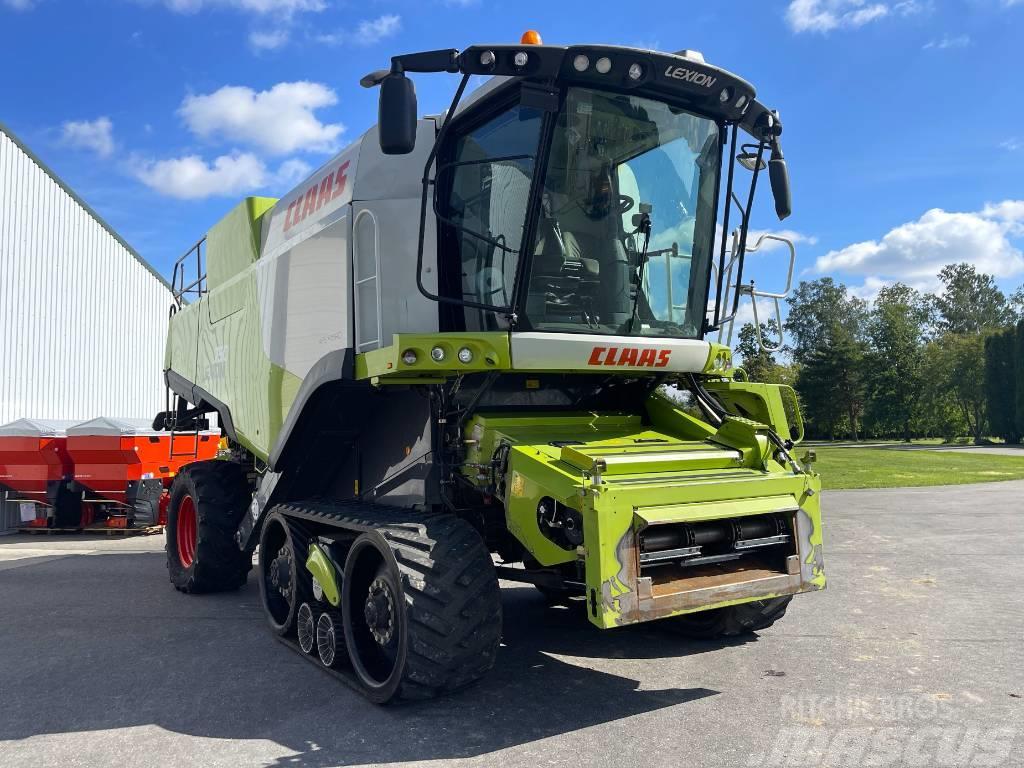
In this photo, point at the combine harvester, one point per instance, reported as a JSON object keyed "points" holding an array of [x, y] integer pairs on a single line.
{"points": [[123, 468], [486, 336], [36, 469]]}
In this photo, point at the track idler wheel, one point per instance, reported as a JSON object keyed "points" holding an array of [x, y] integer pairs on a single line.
{"points": [[285, 584]]}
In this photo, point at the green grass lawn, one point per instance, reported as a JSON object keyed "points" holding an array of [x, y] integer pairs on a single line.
{"points": [[886, 468]]}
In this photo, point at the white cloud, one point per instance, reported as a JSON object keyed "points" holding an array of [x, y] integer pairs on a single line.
{"points": [[771, 245], [292, 172], [367, 32], [374, 30], [20, 5], [269, 40], [285, 7], [915, 252], [95, 135], [192, 178], [1012, 144], [280, 120], [946, 42], [826, 15]]}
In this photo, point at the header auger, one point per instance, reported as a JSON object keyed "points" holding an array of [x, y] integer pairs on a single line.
{"points": [[481, 338]]}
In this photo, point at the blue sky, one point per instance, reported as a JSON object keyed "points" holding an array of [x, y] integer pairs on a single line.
{"points": [[904, 120]]}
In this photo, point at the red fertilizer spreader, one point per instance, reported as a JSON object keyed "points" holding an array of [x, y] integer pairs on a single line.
{"points": [[123, 468], [35, 467]]}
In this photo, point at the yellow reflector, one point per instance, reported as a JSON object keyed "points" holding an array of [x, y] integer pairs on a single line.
{"points": [[531, 37]]}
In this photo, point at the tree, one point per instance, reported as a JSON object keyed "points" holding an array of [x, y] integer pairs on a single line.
{"points": [[970, 302], [894, 365], [1016, 302], [818, 311], [1001, 384], [1019, 376], [758, 364], [955, 371], [826, 325]]}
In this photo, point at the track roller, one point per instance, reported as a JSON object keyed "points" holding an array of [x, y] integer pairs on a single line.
{"points": [[305, 628], [328, 637]]}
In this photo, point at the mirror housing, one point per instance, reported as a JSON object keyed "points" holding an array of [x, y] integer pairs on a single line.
{"points": [[778, 176], [396, 114]]}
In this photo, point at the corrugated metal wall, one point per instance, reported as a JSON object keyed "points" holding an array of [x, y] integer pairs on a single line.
{"points": [[82, 319]]}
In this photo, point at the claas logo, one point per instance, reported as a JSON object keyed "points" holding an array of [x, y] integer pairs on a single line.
{"points": [[634, 356], [316, 196]]}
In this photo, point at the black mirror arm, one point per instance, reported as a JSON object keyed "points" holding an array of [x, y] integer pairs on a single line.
{"points": [[444, 60]]}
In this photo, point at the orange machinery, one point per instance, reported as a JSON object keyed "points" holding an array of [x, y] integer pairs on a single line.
{"points": [[123, 467], [35, 466]]}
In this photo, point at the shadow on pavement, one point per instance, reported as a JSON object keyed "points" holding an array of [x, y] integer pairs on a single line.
{"points": [[95, 643]]}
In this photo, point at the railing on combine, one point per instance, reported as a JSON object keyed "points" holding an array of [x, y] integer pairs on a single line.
{"points": [[182, 271], [733, 291], [193, 262]]}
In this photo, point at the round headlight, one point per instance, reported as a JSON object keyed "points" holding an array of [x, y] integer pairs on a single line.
{"points": [[437, 354], [487, 58], [604, 65], [725, 95], [580, 63], [466, 355], [520, 59], [635, 72], [409, 357], [741, 101]]}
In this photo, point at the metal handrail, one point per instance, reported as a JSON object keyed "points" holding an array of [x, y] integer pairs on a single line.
{"points": [[754, 294], [198, 286]]}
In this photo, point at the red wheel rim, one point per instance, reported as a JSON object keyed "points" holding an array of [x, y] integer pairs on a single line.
{"points": [[186, 531]]}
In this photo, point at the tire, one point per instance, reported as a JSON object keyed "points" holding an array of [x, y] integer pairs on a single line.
{"points": [[437, 613], [285, 584], [208, 501], [732, 621]]}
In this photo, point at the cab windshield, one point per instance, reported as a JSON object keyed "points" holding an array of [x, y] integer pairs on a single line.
{"points": [[622, 241], [624, 237]]}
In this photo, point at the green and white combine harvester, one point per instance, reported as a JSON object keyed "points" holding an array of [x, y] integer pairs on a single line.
{"points": [[476, 346]]}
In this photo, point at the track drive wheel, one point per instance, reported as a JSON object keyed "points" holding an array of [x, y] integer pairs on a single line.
{"points": [[285, 584], [731, 621], [208, 500], [421, 608]]}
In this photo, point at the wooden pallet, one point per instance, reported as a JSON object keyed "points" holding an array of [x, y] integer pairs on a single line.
{"points": [[149, 530]]}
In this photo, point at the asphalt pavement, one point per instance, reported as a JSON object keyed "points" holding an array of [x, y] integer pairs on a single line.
{"points": [[912, 656]]}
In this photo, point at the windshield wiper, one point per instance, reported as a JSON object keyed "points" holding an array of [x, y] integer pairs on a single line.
{"points": [[644, 228]]}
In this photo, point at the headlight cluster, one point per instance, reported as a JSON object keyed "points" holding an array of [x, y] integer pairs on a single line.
{"points": [[440, 353], [581, 63]]}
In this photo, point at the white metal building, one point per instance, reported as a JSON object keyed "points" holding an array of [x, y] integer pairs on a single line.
{"points": [[83, 317]]}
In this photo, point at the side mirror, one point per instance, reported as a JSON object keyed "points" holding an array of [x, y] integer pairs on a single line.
{"points": [[396, 115], [778, 176]]}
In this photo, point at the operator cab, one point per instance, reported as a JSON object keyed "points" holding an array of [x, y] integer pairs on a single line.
{"points": [[620, 242], [577, 192]]}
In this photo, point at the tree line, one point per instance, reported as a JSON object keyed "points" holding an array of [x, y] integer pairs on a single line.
{"points": [[906, 365]]}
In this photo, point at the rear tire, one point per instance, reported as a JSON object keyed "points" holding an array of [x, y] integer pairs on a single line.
{"points": [[732, 621], [208, 501], [421, 608]]}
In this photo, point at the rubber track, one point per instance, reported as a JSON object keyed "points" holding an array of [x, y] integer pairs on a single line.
{"points": [[451, 590]]}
